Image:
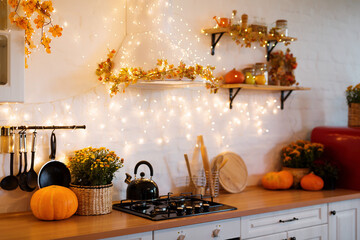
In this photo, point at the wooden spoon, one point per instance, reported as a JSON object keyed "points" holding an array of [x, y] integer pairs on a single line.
{"points": [[207, 167], [192, 184]]}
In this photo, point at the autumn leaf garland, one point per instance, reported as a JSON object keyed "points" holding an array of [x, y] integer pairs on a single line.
{"points": [[128, 76], [43, 19]]}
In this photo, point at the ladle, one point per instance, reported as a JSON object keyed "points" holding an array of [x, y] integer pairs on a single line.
{"points": [[31, 177], [10, 182], [20, 155], [23, 177]]}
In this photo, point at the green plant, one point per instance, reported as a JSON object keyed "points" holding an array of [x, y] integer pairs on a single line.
{"points": [[301, 154], [353, 94], [325, 169], [94, 166]]}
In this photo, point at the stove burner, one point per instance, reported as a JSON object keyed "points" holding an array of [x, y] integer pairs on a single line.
{"points": [[169, 207]]}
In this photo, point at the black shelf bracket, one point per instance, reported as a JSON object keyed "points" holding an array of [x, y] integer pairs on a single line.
{"points": [[269, 47], [214, 41], [283, 97], [231, 97]]}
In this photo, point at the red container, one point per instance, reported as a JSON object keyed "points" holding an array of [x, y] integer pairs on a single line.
{"points": [[343, 146]]}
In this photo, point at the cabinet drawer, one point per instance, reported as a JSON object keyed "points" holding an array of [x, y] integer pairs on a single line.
{"points": [[274, 222], [225, 229]]}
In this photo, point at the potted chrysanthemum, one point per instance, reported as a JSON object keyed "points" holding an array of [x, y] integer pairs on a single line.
{"points": [[353, 101], [298, 157], [92, 171]]}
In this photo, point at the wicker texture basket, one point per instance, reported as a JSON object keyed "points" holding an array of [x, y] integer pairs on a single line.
{"points": [[93, 200], [354, 115]]}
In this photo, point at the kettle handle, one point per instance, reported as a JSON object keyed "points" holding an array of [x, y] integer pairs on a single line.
{"points": [[146, 163]]}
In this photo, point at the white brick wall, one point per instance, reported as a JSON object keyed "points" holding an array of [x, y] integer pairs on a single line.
{"points": [[327, 52]]}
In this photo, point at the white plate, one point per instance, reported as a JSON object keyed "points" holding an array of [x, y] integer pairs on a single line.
{"points": [[233, 175]]}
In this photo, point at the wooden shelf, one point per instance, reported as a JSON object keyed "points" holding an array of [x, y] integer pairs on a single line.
{"points": [[271, 40], [282, 89], [170, 84], [264, 87], [228, 31]]}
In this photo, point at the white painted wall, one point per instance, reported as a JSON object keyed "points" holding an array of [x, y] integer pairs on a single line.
{"points": [[61, 88]]}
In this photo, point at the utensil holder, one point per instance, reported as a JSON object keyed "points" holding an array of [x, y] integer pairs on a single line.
{"points": [[201, 186], [215, 180]]}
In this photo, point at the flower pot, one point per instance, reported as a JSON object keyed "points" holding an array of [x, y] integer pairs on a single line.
{"points": [[354, 115], [93, 200], [297, 173]]}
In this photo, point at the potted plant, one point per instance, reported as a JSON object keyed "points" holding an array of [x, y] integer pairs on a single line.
{"points": [[92, 171], [327, 170], [353, 101], [298, 157]]}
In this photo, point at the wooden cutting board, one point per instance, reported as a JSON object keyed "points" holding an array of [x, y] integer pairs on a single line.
{"points": [[233, 176]]}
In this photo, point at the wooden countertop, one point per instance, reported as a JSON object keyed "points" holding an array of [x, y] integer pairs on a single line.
{"points": [[253, 200]]}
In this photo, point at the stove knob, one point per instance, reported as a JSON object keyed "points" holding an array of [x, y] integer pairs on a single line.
{"points": [[197, 208], [189, 210], [179, 211], [206, 207]]}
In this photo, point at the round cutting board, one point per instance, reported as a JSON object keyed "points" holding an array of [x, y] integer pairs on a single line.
{"points": [[233, 175]]}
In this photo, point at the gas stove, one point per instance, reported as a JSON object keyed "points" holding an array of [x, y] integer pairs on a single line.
{"points": [[170, 207]]}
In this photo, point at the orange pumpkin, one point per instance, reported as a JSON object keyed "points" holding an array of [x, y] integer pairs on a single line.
{"points": [[234, 77], [277, 180], [312, 182], [54, 203]]}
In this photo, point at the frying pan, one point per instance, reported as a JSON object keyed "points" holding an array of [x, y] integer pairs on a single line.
{"points": [[54, 172]]}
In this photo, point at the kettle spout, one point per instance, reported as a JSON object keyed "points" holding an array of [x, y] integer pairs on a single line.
{"points": [[128, 178]]}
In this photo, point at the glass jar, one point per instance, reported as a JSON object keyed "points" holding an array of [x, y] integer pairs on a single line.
{"points": [[281, 27], [261, 74], [249, 75], [5, 140], [235, 20]]}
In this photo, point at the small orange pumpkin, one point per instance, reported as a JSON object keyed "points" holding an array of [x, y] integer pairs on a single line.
{"points": [[234, 77], [277, 180], [54, 203], [312, 182]]}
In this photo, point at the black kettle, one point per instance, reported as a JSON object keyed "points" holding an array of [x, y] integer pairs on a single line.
{"points": [[141, 188]]}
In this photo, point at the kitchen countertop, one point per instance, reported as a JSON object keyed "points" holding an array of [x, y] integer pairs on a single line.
{"points": [[253, 200]]}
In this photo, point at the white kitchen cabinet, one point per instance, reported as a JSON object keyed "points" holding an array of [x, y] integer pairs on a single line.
{"points": [[311, 233], [344, 220], [317, 232], [12, 60], [283, 221], [219, 230], [138, 236]]}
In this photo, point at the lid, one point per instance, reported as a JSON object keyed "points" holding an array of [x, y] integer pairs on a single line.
{"points": [[248, 69], [260, 65], [281, 22]]}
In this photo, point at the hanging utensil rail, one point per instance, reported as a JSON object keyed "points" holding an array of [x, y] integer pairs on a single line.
{"points": [[48, 127]]}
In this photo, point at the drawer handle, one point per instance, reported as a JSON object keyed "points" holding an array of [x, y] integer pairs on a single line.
{"points": [[288, 220], [215, 233], [333, 212], [181, 237]]}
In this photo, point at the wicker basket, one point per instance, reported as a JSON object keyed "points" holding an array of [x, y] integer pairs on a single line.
{"points": [[93, 200], [354, 115]]}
